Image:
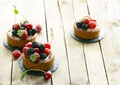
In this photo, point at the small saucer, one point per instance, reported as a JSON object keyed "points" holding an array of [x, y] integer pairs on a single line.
{"points": [[87, 40], [9, 47], [37, 73]]}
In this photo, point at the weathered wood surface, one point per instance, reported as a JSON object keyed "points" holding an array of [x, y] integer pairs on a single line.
{"points": [[79, 63]]}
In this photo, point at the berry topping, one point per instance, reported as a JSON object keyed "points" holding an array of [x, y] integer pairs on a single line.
{"points": [[47, 45], [35, 44], [48, 75], [30, 51], [43, 56], [36, 50], [25, 50], [28, 26], [86, 23], [14, 33], [92, 24], [33, 31], [24, 35], [47, 51], [16, 54], [29, 44], [41, 47], [16, 26], [38, 28]]}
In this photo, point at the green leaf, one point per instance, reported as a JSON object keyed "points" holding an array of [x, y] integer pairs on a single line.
{"points": [[20, 32], [23, 75], [33, 57], [16, 11]]}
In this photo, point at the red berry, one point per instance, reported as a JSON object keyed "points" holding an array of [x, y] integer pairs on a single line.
{"points": [[48, 75], [36, 50], [37, 57], [16, 54], [25, 49], [47, 51], [25, 34], [38, 28], [28, 26], [93, 20], [29, 44], [16, 26], [47, 45], [86, 20], [92, 24]]}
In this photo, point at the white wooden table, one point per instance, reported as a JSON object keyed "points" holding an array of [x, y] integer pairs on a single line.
{"points": [[79, 63]]}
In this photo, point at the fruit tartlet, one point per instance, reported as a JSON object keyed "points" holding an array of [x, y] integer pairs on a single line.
{"points": [[20, 34], [37, 56], [86, 28]]}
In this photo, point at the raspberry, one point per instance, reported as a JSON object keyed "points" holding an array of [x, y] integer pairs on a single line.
{"points": [[38, 28], [16, 54], [92, 24], [47, 45], [48, 75], [16, 26], [28, 26], [29, 44]]}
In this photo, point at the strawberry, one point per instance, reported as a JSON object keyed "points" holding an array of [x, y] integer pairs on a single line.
{"points": [[16, 54], [28, 26], [16, 26], [25, 49], [38, 28], [47, 51], [25, 34], [92, 24], [36, 50], [47, 45], [86, 20], [29, 44], [48, 75]]}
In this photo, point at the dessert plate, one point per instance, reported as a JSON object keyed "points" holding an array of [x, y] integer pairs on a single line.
{"points": [[37, 73], [9, 47], [87, 40]]}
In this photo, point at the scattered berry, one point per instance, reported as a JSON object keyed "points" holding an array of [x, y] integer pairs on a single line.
{"points": [[38, 28], [16, 54], [16, 26], [48, 75]]}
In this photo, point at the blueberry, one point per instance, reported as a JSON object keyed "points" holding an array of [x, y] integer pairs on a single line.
{"points": [[29, 32], [30, 51], [79, 24], [84, 26], [41, 47], [14, 33], [35, 44], [42, 56], [33, 31]]}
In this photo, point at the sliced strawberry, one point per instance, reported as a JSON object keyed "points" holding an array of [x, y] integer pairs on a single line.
{"points": [[16, 26], [28, 26], [29, 44], [47, 51], [38, 28], [47, 45], [92, 24], [24, 35], [16, 54]]}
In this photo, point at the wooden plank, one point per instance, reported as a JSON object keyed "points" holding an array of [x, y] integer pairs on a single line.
{"points": [[109, 45], [33, 10], [5, 54], [92, 51], [61, 76], [78, 74]]}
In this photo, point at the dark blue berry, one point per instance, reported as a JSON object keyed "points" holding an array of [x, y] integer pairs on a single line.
{"points": [[84, 26], [42, 56], [79, 24], [34, 31], [29, 32], [35, 44], [41, 47], [14, 33], [30, 51]]}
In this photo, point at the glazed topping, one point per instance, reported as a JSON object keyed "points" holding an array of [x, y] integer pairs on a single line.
{"points": [[24, 29], [35, 51], [86, 23]]}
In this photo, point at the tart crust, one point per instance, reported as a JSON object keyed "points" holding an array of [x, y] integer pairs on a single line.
{"points": [[86, 34], [42, 65], [17, 42]]}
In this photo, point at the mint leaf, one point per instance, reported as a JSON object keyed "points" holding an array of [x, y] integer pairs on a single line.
{"points": [[23, 75], [33, 57], [19, 32]]}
